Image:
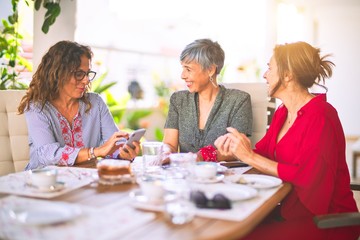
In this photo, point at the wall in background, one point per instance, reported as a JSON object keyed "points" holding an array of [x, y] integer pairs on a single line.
{"points": [[339, 33], [335, 24]]}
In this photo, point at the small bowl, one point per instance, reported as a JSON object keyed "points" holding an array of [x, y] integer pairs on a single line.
{"points": [[43, 178], [205, 170]]}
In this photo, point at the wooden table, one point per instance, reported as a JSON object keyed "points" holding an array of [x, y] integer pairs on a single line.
{"points": [[160, 228]]}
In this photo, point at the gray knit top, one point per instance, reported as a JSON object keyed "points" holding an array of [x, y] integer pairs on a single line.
{"points": [[232, 108]]}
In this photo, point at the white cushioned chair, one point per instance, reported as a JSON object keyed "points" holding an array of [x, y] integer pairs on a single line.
{"points": [[14, 143], [259, 102]]}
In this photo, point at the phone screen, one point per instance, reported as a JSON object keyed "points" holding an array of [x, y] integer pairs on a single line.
{"points": [[135, 136], [234, 164]]}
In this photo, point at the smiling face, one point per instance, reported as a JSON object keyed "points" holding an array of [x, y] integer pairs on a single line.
{"points": [[195, 77], [73, 88]]}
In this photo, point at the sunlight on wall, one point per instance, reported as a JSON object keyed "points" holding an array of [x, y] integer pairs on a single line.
{"points": [[290, 23], [139, 39]]}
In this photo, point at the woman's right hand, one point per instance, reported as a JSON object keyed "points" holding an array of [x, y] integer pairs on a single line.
{"points": [[127, 152], [111, 145], [234, 143]]}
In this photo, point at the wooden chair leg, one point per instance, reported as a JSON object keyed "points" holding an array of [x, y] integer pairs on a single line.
{"points": [[355, 155]]}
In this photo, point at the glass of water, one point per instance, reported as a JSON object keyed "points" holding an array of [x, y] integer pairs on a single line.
{"points": [[183, 162], [152, 156], [179, 208]]}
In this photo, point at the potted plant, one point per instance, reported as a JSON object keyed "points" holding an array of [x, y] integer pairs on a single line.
{"points": [[11, 61]]}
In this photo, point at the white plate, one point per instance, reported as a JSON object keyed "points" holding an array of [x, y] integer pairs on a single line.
{"points": [[142, 202], [55, 188], [216, 179], [255, 180], [73, 178], [231, 191], [45, 214]]}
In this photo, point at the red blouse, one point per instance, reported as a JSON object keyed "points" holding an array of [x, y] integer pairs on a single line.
{"points": [[311, 156]]}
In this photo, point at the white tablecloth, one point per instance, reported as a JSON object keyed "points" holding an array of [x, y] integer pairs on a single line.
{"points": [[103, 223]]}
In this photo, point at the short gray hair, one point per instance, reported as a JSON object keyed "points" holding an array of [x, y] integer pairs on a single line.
{"points": [[205, 52]]}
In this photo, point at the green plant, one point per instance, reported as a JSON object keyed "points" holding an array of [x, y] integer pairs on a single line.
{"points": [[98, 87], [163, 90], [221, 74], [9, 52], [159, 134], [118, 107], [53, 10], [12, 63], [134, 117]]}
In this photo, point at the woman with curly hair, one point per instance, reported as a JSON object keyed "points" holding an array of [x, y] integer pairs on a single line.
{"points": [[67, 124]]}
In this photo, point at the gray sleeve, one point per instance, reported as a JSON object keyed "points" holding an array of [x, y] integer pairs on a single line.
{"points": [[242, 118], [172, 120]]}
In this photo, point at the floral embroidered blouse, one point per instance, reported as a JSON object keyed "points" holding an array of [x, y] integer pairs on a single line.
{"points": [[53, 141]]}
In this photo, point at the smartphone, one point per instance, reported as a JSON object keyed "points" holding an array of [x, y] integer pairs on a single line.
{"points": [[135, 136], [234, 164]]}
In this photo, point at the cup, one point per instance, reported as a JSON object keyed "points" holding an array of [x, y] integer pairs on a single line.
{"points": [[44, 178], [113, 171], [184, 162], [152, 188], [152, 156], [205, 170]]}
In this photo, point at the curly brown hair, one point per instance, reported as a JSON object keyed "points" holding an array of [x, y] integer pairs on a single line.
{"points": [[53, 72]]}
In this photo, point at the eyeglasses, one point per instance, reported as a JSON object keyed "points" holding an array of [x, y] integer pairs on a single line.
{"points": [[219, 201], [80, 74]]}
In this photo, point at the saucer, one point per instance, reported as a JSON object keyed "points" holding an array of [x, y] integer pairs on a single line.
{"points": [[140, 201], [138, 196], [258, 181], [54, 188], [217, 178], [45, 214]]}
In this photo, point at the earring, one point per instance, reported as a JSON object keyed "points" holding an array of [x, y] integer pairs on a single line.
{"points": [[212, 81]]}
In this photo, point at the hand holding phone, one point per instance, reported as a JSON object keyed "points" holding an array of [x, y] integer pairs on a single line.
{"points": [[135, 136]]}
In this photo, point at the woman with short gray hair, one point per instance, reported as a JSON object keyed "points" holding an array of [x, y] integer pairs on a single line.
{"points": [[199, 115]]}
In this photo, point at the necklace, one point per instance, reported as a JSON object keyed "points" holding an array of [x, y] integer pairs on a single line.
{"points": [[289, 118]]}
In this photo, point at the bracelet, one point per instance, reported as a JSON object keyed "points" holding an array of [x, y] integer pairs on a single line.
{"points": [[208, 153], [92, 154], [89, 155]]}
